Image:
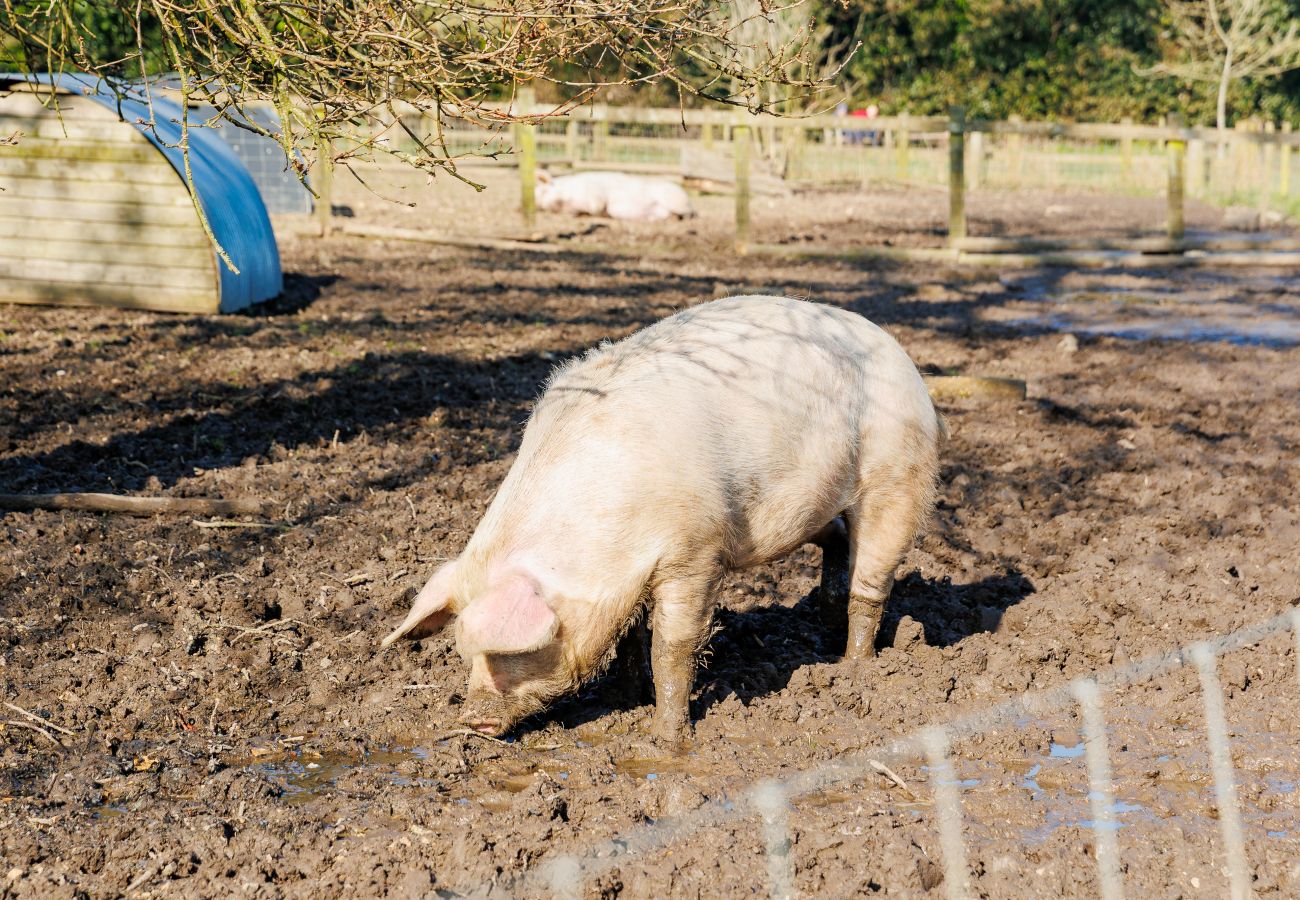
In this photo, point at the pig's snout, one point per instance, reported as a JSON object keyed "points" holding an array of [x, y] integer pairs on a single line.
{"points": [[486, 717], [489, 725]]}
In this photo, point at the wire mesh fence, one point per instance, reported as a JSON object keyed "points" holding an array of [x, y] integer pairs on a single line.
{"points": [[767, 804]]}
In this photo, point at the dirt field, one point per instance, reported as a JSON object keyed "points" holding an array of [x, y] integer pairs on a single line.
{"points": [[225, 726]]}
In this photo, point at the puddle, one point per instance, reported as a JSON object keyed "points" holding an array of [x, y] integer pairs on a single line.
{"points": [[1061, 751], [303, 775], [108, 811], [1191, 308], [1235, 327]]}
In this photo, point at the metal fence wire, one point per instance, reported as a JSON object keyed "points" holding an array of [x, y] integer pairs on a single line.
{"points": [[767, 803]]}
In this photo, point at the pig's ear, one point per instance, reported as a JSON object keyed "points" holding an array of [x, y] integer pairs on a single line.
{"points": [[431, 611], [542, 176], [512, 617]]}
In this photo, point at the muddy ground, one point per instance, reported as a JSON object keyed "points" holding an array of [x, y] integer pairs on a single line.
{"points": [[213, 719]]}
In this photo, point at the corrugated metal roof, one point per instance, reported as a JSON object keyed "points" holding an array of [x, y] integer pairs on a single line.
{"points": [[229, 198]]}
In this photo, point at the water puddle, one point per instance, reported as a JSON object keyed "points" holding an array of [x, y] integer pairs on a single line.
{"points": [[1246, 325], [303, 775], [1203, 307]]}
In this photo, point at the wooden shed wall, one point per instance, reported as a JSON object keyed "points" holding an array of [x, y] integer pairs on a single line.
{"points": [[91, 214]]}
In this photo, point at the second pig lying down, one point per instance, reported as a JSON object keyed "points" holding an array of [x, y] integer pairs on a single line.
{"points": [[614, 194], [720, 438]]}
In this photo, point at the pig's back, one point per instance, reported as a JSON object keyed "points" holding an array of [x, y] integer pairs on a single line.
{"points": [[746, 420]]}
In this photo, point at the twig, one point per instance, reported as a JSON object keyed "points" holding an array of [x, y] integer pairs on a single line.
{"points": [[233, 523], [892, 776], [17, 724], [140, 879], [136, 506], [265, 628], [38, 719]]}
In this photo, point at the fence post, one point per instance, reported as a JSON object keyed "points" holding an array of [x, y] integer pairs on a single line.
{"points": [[975, 161], [1268, 156], [1225, 790], [793, 151], [947, 811], [564, 877], [1196, 167], [571, 140], [1015, 152], [324, 184], [526, 141], [1100, 793], [1284, 164], [740, 142], [1126, 152], [1176, 150], [902, 144], [769, 800], [600, 133], [706, 135], [956, 174], [1239, 150]]}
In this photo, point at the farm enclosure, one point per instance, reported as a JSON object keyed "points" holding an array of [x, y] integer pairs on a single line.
{"points": [[234, 732]]}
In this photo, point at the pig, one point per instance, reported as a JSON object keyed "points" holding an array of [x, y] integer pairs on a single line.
{"points": [[614, 194], [719, 438]]}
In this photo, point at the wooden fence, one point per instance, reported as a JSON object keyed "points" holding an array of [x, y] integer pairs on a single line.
{"points": [[1251, 164]]}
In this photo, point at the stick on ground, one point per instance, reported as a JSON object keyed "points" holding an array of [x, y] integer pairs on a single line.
{"points": [[39, 720], [135, 506]]}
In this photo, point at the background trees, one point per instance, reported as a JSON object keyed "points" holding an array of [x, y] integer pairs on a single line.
{"points": [[1072, 59]]}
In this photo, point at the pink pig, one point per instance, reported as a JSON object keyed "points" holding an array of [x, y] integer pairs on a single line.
{"points": [[614, 194], [723, 437]]}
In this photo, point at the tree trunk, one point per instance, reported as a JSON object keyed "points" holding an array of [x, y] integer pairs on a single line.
{"points": [[1221, 109]]}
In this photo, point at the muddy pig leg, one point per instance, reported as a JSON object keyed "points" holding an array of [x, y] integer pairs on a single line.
{"points": [[683, 609], [833, 594], [881, 531]]}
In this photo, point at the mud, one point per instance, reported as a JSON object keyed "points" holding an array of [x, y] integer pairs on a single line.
{"points": [[232, 731]]}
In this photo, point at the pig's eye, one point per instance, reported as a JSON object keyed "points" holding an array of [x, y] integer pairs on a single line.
{"points": [[501, 680]]}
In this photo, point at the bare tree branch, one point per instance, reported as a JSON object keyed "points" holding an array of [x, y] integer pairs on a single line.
{"points": [[341, 73]]}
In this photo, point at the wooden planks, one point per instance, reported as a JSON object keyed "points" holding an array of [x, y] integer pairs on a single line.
{"points": [[130, 216], [68, 128], [110, 232], [76, 271], [41, 245], [161, 299], [88, 170], [68, 188], [39, 104], [135, 153]]}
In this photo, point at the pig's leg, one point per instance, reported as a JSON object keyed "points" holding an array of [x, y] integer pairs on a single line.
{"points": [[683, 610], [833, 595], [881, 530]]}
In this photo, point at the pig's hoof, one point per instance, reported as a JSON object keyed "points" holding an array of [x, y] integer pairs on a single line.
{"points": [[670, 735]]}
